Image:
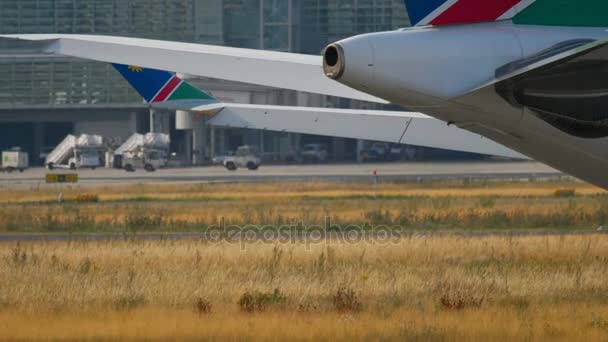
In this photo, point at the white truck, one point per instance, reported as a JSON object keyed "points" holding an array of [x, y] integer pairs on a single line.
{"points": [[245, 157], [149, 152], [80, 152], [14, 160], [146, 159]]}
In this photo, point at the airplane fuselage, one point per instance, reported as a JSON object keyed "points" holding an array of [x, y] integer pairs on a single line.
{"points": [[473, 76]]}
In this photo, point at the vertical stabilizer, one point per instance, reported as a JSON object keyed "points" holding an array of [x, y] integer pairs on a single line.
{"points": [[157, 86]]}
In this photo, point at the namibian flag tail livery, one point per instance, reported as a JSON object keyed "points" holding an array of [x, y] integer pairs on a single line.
{"points": [[157, 86], [591, 13]]}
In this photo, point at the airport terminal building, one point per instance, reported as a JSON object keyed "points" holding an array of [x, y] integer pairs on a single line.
{"points": [[43, 98]]}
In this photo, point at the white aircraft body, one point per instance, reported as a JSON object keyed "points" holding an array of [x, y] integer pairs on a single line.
{"points": [[528, 74]]}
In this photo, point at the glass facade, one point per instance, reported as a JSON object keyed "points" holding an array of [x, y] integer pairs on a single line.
{"points": [[325, 21], [39, 80], [285, 25], [167, 19], [60, 83]]}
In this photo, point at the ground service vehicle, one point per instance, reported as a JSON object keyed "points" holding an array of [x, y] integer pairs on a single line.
{"points": [[82, 152], [85, 158], [144, 151], [219, 160], [377, 151], [314, 152], [147, 159], [14, 160], [245, 156]]}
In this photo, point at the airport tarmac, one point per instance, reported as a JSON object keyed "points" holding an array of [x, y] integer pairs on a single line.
{"points": [[326, 172]]}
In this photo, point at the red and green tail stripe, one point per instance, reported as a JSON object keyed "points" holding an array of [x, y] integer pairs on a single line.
{"points": [[588, 13], [591, 13]]}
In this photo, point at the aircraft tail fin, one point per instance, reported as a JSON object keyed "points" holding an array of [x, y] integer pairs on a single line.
{"points": [[453, 12], [589, 13], [157, 86]]}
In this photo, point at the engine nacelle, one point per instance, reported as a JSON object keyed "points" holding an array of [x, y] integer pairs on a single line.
{"points": [[429, 65], [421, 66]]}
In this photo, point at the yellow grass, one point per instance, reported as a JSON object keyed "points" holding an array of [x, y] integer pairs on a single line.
{"points": [[417, 287], [520, 288], [462, 205], [454, 213], [296, 190]]}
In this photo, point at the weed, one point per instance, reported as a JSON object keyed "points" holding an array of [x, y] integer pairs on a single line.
{"points": [[378, 216], [486, 202], [260, 301], [85, 266], [140, 218], [202, 306], [49, 222], [599, 322], [346, 300], [307, 307], [461, 296], [442, 203], [520, 304], [86, 198], [19, 255], [274, 262], [130, 302], [564, 193], [131, 275]]}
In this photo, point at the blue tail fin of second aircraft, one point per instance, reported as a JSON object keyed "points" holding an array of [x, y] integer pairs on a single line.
{"points": [[157, 86]]}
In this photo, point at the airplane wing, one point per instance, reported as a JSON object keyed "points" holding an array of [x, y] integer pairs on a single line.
{"points": [[284, 70], [387, 126], [269, 68]]}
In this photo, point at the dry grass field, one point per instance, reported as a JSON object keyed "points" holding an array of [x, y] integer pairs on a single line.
{"points": [[419, 286], [294, 190], [416, 288], [431, 205]]}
